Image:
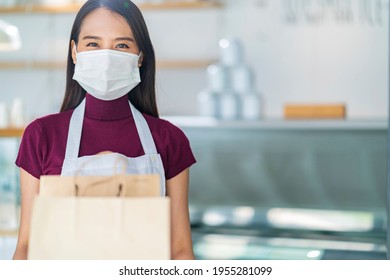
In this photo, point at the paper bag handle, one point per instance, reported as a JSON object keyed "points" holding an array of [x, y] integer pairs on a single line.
{"points": [[77, 189], [120, 176]]}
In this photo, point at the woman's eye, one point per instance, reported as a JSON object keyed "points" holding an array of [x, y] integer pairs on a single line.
{"points": [[94, 45], [122, 46]]}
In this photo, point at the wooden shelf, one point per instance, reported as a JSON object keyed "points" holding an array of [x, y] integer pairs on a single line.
{"points": [[19, 9], [73, 8], [11, 132], [31, 65], [13, 233], [163, 64]]}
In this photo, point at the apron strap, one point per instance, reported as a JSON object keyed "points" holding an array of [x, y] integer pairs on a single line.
{"points": [[74, 132], [143, 131]]}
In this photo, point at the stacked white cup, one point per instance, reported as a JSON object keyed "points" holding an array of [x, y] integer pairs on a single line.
{"points": [[231, 93]]}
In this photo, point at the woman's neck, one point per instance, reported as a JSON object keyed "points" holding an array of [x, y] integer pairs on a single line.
{"points": [[107, 110]]}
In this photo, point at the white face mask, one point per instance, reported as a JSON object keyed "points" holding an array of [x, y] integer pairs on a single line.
{"points": [[107, 74]]}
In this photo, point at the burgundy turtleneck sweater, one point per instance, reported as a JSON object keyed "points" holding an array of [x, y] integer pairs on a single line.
{"points": [[108, 126]]}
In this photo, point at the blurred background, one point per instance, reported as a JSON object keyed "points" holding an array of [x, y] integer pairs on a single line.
{"points": [[285, 103]]}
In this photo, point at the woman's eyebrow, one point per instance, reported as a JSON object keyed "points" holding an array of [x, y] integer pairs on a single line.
{"points": [[125, 39], [91, 37]]}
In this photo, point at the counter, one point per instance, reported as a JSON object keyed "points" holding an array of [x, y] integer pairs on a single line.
{"points": [[275, 124], [295, 168]]}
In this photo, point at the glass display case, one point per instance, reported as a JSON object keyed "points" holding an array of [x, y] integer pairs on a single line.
{"points": [[288, 189]]}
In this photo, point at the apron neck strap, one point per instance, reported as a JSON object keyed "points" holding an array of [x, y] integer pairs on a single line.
{"points": [[74, 132], [143, 131]]}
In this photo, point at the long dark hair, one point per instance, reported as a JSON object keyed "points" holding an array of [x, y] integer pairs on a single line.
{"points": [[143, 96]]}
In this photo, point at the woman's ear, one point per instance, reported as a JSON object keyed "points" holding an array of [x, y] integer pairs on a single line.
{"points": [[141, 59], [73, 47]]}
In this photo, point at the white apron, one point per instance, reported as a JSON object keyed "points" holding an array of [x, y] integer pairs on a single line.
{"points": [[107, 164]]}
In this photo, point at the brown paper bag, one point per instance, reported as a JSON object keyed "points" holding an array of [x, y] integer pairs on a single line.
{"points": [[98, 228]]}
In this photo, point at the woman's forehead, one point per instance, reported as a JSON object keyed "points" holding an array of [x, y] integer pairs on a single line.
{"points": [[103, 22]]}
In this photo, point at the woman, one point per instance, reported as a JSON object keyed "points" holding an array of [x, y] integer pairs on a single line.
{"points": [[110, 62]]}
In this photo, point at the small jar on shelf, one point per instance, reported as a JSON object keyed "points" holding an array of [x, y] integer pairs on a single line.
{"points": [[4, 121]]}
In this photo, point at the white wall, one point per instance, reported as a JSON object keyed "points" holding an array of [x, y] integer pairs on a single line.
{"points": [[334, 51]]}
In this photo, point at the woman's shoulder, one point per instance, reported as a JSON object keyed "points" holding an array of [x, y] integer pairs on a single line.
{"points": [[167, 134], [163, 127], [173, 145], [56, 120]]}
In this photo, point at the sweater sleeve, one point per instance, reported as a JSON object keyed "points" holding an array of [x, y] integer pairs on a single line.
{"points": [[179, 155], [32, 150]]}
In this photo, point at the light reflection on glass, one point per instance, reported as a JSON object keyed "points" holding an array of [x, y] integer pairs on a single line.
{"points": [[243, 216], [214, 219], [321, 219], [314, 254], [329, 244], [222, 247]]}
